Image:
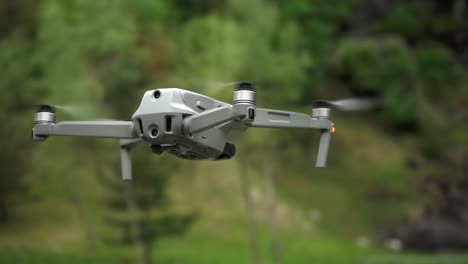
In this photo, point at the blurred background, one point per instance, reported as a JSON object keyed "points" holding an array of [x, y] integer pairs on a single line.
{"points": [[396, 186]]}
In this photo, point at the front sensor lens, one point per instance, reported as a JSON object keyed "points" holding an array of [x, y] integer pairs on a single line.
{"points": [[157, 94]]}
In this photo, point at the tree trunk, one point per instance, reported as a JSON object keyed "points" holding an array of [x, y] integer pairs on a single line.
{"points": [[250, 211], [147, 251], [89, 228], [3, 210], [74, 190], [136, 233], [270, 193]]}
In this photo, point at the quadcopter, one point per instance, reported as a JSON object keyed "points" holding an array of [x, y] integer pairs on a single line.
{"points": [[189, 125]]}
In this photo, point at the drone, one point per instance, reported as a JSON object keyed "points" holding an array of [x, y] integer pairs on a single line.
{"points": [[191, 126]]}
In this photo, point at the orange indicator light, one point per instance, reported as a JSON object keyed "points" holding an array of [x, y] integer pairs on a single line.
{"points": [[333, 130]]}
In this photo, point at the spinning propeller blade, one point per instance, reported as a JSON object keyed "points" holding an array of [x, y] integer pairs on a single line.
{"points": [[77, 111], [219, 85], [351, 104]]}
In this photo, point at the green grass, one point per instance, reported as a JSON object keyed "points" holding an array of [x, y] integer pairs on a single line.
{"points": [[29, 257], [418, 259], [211, 251], [215, 252]]}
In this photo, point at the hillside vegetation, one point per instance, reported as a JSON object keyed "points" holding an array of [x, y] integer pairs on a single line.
{"points": [[403, 167]]}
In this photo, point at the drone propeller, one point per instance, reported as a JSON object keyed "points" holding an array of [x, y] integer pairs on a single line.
{"points": [[73, 110], [351, 104], [218, 85]]}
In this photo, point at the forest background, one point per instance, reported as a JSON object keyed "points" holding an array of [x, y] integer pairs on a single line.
{"points": [[396, 186]]}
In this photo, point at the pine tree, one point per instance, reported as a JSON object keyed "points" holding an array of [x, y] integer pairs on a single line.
{"points": [[139, 209], [20, 87]]}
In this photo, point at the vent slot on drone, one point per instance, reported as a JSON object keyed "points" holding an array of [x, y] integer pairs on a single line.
{"points": [[140, 126], [168, 123]]}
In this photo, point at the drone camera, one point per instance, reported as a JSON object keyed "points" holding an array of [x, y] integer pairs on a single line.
{"points": [[229, 151]]}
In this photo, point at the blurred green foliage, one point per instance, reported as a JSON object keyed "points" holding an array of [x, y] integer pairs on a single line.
{"points": [[383, 67]]}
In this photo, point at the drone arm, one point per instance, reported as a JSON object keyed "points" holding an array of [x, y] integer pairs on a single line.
{"points": [[208, 119], [281, 119], [271, 118], [107, 129]]}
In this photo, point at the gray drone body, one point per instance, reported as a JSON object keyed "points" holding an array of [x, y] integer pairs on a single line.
{"points": [[186, 124], [160, 120]]}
